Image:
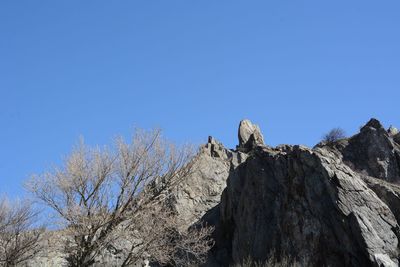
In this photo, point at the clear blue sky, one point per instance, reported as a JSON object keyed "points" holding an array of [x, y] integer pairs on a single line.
{"points": [[193, 68]]}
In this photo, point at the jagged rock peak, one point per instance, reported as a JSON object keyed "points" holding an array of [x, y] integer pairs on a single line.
{"points": [[372, 123], [211, 140], [249, 135], [215, 148]]}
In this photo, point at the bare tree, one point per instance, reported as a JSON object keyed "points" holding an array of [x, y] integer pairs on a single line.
{"points": [[104, 195], [334, 135], [19, 239], [154, 232]]}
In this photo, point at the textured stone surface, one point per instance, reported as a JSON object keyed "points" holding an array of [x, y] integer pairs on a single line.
{"points": [[201, 191], [372, 151], [334, 205], [396, 138], [306, 205], [249, 136], [387, 192]]}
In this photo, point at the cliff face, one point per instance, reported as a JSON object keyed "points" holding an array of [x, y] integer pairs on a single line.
{"points": [[201, 191], [334, 205], [373, 151]]}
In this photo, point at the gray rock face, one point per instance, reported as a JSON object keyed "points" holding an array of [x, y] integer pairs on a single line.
{"points": [[396, 138], [201, 191], [249, 136], [305, 205], [387, 192], [334, 205], [372, 151]]}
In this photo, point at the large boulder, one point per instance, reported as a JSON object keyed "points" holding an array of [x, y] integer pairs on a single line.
{"points": [[249, 136]]}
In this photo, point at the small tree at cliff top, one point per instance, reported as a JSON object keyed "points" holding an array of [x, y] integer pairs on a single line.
{"points": [[334, 135], [115, 198]]}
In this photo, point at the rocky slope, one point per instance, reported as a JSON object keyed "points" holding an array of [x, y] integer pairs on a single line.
{"points": [[334, 205], [200, 194], [201, 191]]}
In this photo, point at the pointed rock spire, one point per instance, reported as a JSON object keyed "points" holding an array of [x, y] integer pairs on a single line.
{"points": [[372, 123], [249, 135]]}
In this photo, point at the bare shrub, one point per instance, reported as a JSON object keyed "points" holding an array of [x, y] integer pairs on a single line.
{"points": [[153, 232], [19, 239], [272, 261], [104, 196], [334, 135]]}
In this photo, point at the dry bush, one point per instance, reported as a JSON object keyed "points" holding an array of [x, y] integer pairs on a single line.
{"points": [[103, 196], [273, 261], [154, 233], [19, 240], [334, 135]]}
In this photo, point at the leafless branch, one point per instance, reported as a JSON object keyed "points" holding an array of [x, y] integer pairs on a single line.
{"points": [[99, 192], [19, 239]]}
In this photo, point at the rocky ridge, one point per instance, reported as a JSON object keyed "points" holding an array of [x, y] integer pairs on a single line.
{"points": [[334, 205], [337, 204]]}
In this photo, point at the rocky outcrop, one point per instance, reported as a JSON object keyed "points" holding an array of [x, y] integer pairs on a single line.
{"points": [[373, 152], [334, 205], [387, 192], [249, 136], [308, 206], [337, 204], [201, 190]]}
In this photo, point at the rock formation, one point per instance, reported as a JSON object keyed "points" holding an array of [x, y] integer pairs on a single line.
{"points": [[334, 205], [201, 191], [249, 136], [337, 204], [372, 151]]}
